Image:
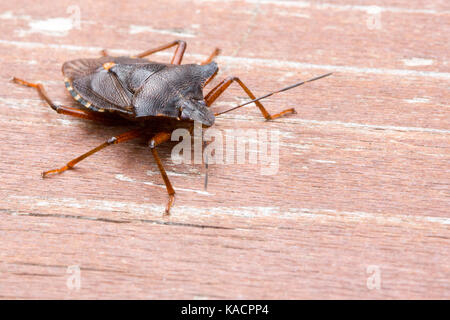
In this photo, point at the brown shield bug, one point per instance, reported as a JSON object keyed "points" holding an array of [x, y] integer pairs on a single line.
{"points": [[136, 90]]}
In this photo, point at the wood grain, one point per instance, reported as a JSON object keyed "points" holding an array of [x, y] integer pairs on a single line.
{"points": [[363, 174]]}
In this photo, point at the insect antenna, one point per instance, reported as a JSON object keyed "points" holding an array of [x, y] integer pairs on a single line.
{"points": [[274, 92]]}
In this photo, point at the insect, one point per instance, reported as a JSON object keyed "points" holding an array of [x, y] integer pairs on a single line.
{"points": [[139, 91]]}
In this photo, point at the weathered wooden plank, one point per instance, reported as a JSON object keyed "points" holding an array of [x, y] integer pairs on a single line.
{"points": [[324, 257], [363, 178], [372, 99], [250, 29], [347, 155]]}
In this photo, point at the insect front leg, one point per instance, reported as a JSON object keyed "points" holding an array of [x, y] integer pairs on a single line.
{"points": [[70, 111], [113, 140], [222, 86], [156, 140]]}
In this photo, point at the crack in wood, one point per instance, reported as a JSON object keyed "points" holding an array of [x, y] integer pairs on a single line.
{"points": [[67, 216]]}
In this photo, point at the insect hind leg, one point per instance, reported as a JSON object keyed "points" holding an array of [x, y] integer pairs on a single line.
{"points": [[70, 111], [40, 89]]}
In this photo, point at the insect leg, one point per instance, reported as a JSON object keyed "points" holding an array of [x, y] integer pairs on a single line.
{"points": [[70, 111], [222, 86], [214, 54], [178, 55], [156, 140], [113, 140]]}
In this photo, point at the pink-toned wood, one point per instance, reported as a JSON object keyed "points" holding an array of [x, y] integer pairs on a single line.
{"points": [[363, 177]]}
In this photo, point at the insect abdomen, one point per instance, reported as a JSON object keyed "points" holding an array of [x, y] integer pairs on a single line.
{"points": [[78, 98]]}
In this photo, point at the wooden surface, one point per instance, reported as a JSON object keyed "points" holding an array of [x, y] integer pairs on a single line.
{"points": [[363, 181]]}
